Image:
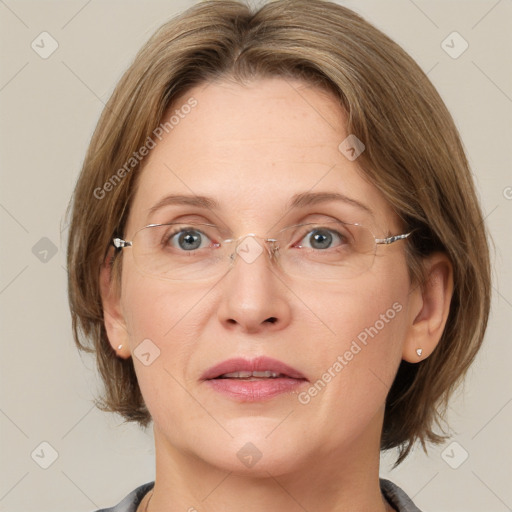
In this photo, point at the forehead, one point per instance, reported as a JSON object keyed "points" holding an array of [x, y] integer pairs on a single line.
{"points": [[252, 149]]}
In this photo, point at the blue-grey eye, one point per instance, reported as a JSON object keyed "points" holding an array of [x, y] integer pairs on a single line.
{"points": [[322, 238], [189, 240]]}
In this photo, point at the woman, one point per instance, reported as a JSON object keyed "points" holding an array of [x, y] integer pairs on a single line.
{"points": [[269, 255]]}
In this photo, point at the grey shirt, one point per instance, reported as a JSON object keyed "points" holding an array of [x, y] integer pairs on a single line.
{"points": [[396, 497]]}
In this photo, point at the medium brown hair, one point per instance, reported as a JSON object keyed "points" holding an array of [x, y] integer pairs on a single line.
{"points": [[413, 155]]}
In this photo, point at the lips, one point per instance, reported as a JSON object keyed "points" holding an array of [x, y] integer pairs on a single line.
{"points": [[259, 368], [254, 380]]}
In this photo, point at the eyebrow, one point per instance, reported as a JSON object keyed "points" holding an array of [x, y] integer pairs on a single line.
{"points": [[188, 200], [297, 201], [312, 198]]}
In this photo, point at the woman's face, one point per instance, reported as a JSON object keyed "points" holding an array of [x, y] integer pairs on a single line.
{"points": [[252, 149]]}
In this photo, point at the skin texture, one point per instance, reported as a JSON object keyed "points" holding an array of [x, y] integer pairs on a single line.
{"points": [[251, 148]]}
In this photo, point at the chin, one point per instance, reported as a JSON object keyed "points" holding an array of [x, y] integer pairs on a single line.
{"points": [[254, 453]]}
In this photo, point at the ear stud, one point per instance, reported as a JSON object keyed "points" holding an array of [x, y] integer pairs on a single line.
{"points": [[419, 351], [119, 347]]}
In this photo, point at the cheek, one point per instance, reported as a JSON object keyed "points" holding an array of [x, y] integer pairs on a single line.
{"points": [[355, 361], [163, 332], [369, 313], [156, 309]]}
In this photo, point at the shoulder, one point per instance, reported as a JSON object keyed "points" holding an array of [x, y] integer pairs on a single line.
{"points": [[396, 497], [132, 501]]}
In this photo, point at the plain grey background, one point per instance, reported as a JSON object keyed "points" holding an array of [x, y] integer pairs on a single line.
{"points": [[49, 108]]}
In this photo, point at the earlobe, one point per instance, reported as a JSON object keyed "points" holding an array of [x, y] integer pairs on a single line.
{"points": [[430, 309], [112, 313]]}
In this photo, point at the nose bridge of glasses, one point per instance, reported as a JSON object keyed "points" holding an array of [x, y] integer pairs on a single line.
{"points": [[250, 246]]}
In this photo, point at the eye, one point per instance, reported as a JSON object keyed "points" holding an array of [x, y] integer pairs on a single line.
{"points": [[322, 238], [186, 239]]}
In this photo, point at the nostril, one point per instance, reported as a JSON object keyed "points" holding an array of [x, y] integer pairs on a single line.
{"points": [[272, 320]]}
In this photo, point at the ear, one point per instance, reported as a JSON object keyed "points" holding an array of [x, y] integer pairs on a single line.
{"points": [[112, 313], [430, 306]]}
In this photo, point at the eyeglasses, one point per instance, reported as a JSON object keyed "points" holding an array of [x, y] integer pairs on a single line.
{"points": [[193, 251]]}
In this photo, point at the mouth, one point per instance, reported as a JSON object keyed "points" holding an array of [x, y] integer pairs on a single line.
{"points": [[253, 380], [259, 368]]}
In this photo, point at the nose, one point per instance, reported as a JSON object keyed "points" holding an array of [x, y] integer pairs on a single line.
{"points": [[254, 296]]}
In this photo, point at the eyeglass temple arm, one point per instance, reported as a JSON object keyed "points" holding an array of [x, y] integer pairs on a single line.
{"points": [[119, 243], [391, 239]]}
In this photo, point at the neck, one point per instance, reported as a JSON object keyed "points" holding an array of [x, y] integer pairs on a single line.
{"points": [[347, 479]]}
